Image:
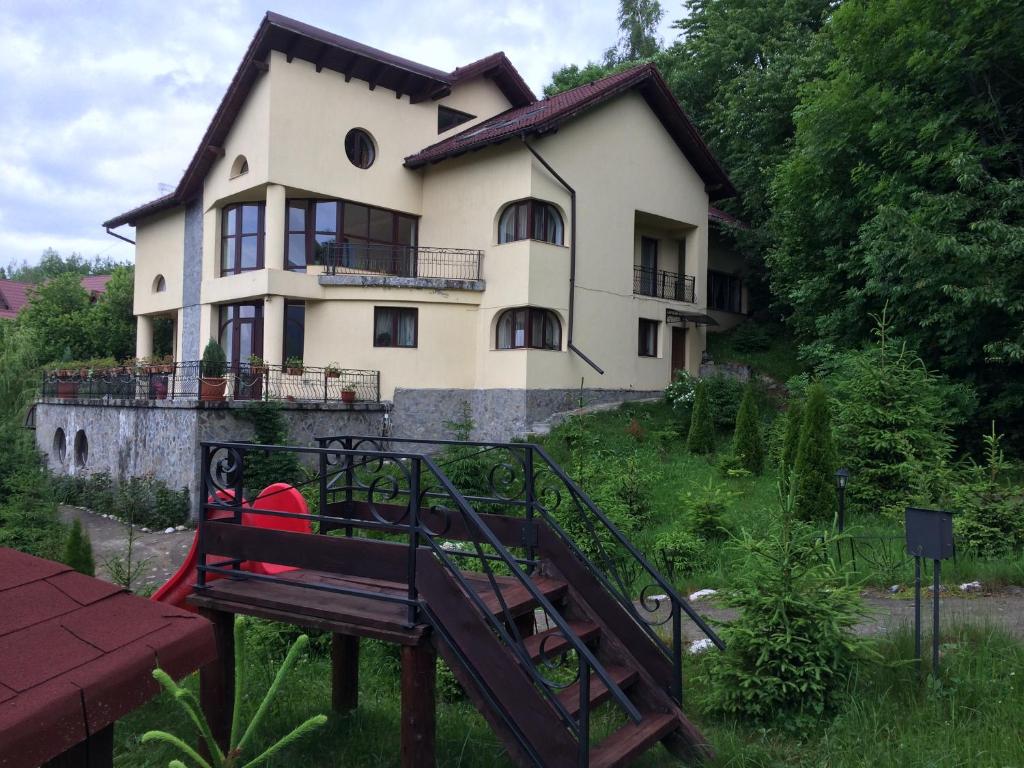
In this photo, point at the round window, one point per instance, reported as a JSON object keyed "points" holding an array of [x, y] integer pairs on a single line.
{"points": [[81, 448], [359, 148], [60, 445]]}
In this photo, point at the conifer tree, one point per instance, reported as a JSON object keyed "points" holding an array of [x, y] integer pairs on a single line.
{"points": [[813, 484], [748, 442], [78, 550], [791, 441], [701, 438]]}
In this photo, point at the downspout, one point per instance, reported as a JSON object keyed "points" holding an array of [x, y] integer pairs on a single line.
{"points": [[119, 237], [572, 254]]}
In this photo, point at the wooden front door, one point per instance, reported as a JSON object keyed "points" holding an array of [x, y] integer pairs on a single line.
{"points": [[678, 350]]}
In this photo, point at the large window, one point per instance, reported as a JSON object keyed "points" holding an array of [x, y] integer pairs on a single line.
{"points": [[294, 329], [530, 220], [241, 243], [529, 328], [241, 331], [725, 292], [395, 327], [648, 338], [350, 234]]}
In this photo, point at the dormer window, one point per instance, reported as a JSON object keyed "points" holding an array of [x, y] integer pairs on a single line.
{"points": [[448, 118], [240, 166], [530, 220]]}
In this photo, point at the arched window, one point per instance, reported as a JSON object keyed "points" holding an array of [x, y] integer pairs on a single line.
{"points": [[240, 166], [159, 284], [359, 148], [528, 328], [530, 220], [81, 448], [60, 445]]}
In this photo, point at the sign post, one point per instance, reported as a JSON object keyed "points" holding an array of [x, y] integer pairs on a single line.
{"points": [[929, 535]]}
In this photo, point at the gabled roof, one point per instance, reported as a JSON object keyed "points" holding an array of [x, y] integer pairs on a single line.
{"points": [[15, 295], [548, 115], [96, 283], [721, 217], [326, 50]]}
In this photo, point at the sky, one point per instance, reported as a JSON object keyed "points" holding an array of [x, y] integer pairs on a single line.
{"points": [[103, 102]]}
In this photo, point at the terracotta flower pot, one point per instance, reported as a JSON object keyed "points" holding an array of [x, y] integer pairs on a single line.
{"points": [[348, 396], [67, 389], [293, 371], [212, 388]]}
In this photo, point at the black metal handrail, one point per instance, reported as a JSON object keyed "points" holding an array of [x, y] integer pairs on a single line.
{"points": [[406, 481], [663, 285], [419, 261], [190, 380], [543, 488]]}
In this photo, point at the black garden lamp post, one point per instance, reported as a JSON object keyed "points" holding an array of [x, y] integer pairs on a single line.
{"points": [[842, 476]]}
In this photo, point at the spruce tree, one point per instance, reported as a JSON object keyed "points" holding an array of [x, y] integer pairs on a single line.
{"points": [[813, 483], [791, 441], [701, 438], [78, 550], [748, 443]]}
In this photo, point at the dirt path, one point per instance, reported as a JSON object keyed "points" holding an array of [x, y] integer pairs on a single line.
{"points": [[161, 553]]}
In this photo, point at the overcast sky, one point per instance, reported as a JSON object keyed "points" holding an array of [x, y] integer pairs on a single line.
{"points": [[101, 101]]}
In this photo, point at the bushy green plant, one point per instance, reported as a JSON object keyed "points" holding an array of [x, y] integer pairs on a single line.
{"points": [[78, 550], [752, 337], [991, 519], [215, 361], [813, 483], [701, 438], [791, 649], [680, 553], [748, 442], [892, 422], [239, 741], [266, 468], [679, 394], [790, 441], [465, 465], [725, 394], [705, 508]]}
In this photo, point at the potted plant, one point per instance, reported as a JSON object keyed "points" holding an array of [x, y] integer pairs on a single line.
{"points": [[164, 365], [332, 370], [67, 386], [212, 370], [348, 394], [293, 366], [257, 365]]}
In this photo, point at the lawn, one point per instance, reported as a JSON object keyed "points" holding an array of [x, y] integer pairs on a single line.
{"points": [[766, 347]]}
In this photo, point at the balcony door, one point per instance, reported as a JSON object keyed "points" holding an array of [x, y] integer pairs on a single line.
{"points": [[648, 265], [241, 335]]}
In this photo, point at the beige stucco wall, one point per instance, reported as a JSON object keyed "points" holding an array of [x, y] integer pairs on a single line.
{"points": [[159, 250]]}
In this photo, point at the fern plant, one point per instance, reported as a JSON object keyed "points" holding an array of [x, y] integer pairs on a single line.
{"points": [[240, 740]]}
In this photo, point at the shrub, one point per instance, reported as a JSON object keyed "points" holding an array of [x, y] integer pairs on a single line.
{"points": [[78, 550], [635, 431], [752, 337], [680, 393], [791, 649], [725, 394], [266, 468], [991, 519], [215, 361], [893, 419], [30, 526], [705, 508], [680, 553], [790, 442], [701, 438], [148, 502], [748, 442], [813, 483]]}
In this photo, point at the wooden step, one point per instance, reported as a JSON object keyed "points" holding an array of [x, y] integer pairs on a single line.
{"points": [[554, 642], [570, 697], [517, 597], [632, 740]]}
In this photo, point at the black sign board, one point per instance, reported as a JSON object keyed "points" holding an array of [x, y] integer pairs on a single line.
{"points": [[929, 533]]}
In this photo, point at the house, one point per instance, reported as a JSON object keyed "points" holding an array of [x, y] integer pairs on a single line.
{"points": [[15, 295], [728, 302], [447, 229]]}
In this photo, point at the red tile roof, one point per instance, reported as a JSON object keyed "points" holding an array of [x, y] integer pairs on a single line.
{"points": [[77, 653], [14, 295], [543, 116], [95, 283], [717, 214]]}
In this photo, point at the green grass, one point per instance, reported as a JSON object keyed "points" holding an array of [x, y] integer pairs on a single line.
{"points": [[778, 360]]}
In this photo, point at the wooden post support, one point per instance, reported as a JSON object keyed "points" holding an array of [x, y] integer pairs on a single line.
{"points": [[217, 679], [418, 677], [344, 672], [97, 751]]}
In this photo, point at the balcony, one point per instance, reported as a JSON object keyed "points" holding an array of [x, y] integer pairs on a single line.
{"points": [[663, 285], [410, 266], [239, 382]]}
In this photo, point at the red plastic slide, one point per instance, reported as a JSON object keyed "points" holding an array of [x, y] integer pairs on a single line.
{"points": [[279, 497]]}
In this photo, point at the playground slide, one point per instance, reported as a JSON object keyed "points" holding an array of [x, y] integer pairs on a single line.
{"points": [[279, 497]]}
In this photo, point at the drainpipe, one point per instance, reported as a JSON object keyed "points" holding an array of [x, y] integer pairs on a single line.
{"points": [[119, 237], [572, 254]]}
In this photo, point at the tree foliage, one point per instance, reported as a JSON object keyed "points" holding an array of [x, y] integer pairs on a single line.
{"points": [[638, 28], [790, 441], [748, 440], [78, 550], [813, 483], [701, 438], [52, 264]]}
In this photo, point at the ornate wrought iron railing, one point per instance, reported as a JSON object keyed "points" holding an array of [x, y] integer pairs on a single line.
{"points": [[522, 480], [402, 261], [406, 496], [663, 285], [190, 381]]}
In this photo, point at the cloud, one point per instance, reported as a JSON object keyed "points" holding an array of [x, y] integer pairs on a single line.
{"points": [[104, 101]]}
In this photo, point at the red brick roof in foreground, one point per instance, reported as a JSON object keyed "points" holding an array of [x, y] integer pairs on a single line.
{"points": [[547, 115], [77, 653]]}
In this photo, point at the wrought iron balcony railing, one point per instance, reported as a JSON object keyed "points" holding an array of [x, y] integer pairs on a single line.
{"points": [[190, 381], [662, 284], [402, 261]]}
